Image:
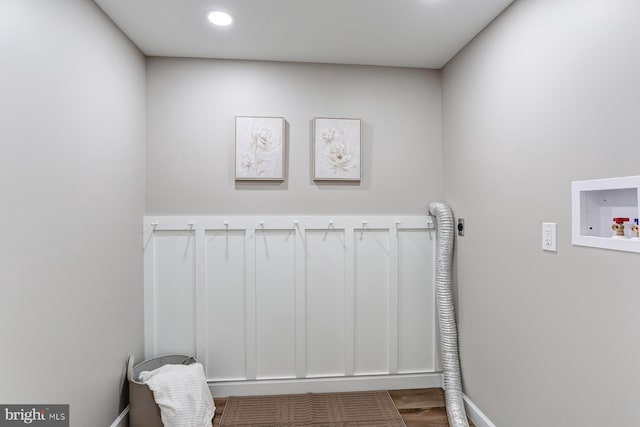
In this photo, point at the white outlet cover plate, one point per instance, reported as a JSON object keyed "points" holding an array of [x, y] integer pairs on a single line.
{"points": [[550, 236]]}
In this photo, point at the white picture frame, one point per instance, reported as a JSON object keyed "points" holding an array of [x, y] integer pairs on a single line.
{"points": [[260, 148], [337, 149]]}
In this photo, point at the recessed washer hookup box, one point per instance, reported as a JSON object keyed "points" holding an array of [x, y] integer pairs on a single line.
{"points": [[605, 213]]}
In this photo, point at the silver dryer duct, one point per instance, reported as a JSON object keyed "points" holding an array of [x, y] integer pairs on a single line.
{"points": [[446, 316]]}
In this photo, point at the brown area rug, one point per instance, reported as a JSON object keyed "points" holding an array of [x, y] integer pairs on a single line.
{"points": [[366, 409]]}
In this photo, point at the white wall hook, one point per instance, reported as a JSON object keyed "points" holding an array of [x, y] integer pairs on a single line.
{"points": [[154, 224]]}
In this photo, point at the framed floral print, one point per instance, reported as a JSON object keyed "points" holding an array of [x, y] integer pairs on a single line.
{"points": [[336, 149], [260, 148]]}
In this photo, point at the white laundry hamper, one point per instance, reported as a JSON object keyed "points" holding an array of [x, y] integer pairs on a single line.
{"points": [[143, 410]]}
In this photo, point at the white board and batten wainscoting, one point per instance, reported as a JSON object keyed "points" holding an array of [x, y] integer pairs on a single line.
{"points": [[295, 304]]}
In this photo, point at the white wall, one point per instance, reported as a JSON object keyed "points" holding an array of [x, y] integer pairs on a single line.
{"points": [[72, 113], [190, 149], [548, 94], [252, 301]]}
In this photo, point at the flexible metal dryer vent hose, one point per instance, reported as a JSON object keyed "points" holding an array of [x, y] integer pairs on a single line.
{"points": [[447, 317]]}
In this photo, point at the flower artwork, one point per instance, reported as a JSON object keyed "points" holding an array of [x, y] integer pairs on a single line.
{"points": [[336, 149], [260, 148]]}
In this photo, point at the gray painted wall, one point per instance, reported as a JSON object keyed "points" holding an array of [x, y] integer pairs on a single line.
{"points": [[548, 94], [72, 113], [190, 148], [538, 100]]}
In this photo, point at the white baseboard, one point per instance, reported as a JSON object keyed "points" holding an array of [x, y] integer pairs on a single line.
{"points": [[475, 414], [123, 419], [325, 385]]}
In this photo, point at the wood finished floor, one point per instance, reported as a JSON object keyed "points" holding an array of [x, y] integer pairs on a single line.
{"points": [[419, 408]]}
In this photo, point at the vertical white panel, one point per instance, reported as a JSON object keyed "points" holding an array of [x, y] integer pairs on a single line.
{"points": [[250, 307], [325, 305], [174, 274], [393, 301], [301, 303], [201, 294], [349, 302], [149, 291], [371, 249], [225, 265], [275, 303], [416, 300]]}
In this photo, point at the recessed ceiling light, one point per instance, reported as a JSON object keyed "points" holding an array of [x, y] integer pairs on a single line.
{"points": [[217, 17]]}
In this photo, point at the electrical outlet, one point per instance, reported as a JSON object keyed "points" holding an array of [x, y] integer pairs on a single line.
{"points": [[549, 236]]}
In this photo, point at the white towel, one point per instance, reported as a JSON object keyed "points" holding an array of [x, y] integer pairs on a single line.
{"points": [[182, 393]]}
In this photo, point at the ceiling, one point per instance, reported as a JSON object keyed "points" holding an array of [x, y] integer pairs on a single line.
{"points": [[403, 33]]}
